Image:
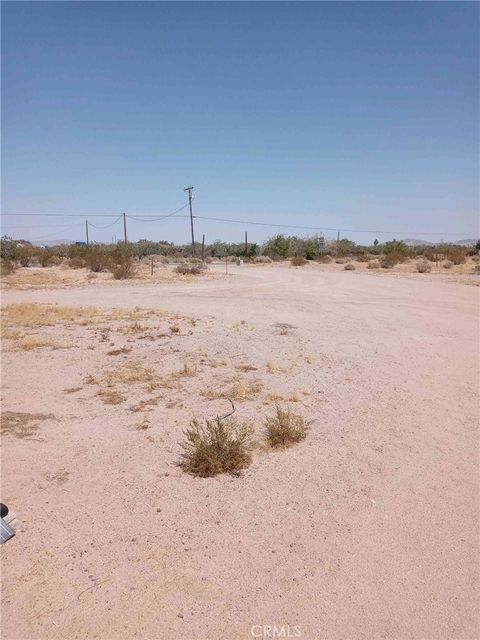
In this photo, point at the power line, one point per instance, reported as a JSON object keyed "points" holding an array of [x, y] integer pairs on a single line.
{"points": [[158, 217], [293, 226], [104, 226]]}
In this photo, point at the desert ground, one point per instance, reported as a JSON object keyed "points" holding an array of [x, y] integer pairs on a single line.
{"points": [[366, 529]]}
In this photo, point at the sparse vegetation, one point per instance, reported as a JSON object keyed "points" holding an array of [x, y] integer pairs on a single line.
{"points": [[285, 428], [219, 446], [447, 264], [349, 267], [297, 261]]}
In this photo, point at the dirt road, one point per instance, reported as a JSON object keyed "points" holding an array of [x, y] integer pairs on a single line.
{"points": [[367, 529]]}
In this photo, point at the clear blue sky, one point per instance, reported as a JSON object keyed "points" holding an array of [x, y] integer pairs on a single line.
{"points": [[342, 115]]}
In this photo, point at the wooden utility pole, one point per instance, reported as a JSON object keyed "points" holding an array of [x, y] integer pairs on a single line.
{"points": [[338, 241], [203, 247], [246, 244], [125, 228], [190, 189], [86, 231]]}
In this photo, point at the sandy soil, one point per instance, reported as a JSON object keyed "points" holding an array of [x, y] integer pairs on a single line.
{"points": [[367, 529]]}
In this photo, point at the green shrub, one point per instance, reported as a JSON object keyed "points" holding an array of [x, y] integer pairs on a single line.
{"points": [[221, 446], [97, 258], [285, 428]]}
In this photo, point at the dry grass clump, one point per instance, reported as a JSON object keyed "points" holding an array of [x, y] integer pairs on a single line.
{"points": [[130, 373], [272, 367], [21, 425], [373, 264], [240, 390], [423, 266], [285, 428], [29, 314], [189, 269], [145, 405], [111, 397], [297, 261], [262, 260], [28, 343], [117, 352], [476, 268], [245, 368], [219, 446], [447, 264], [349, 267]]}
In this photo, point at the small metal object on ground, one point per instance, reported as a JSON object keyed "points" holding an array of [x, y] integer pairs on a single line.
{"points": [[6, 531]]}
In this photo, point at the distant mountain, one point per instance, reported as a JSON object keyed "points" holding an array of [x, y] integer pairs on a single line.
{"points": [[412, 242], [467, 243]]}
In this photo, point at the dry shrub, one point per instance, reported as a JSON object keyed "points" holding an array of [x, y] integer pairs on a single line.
{"points": [[46, 257], [97, 258], [373, 264], [362, 257], [349, 267], [297, 261], [458, 255], [285, 428], [323, 258], [389, 260], [122, 265], [447, 264], [189, 269], [221, 446], [476, 268], [76, 263], [262, 260], [24, 255], [423, 266], [6, 267], [341, 260]]}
